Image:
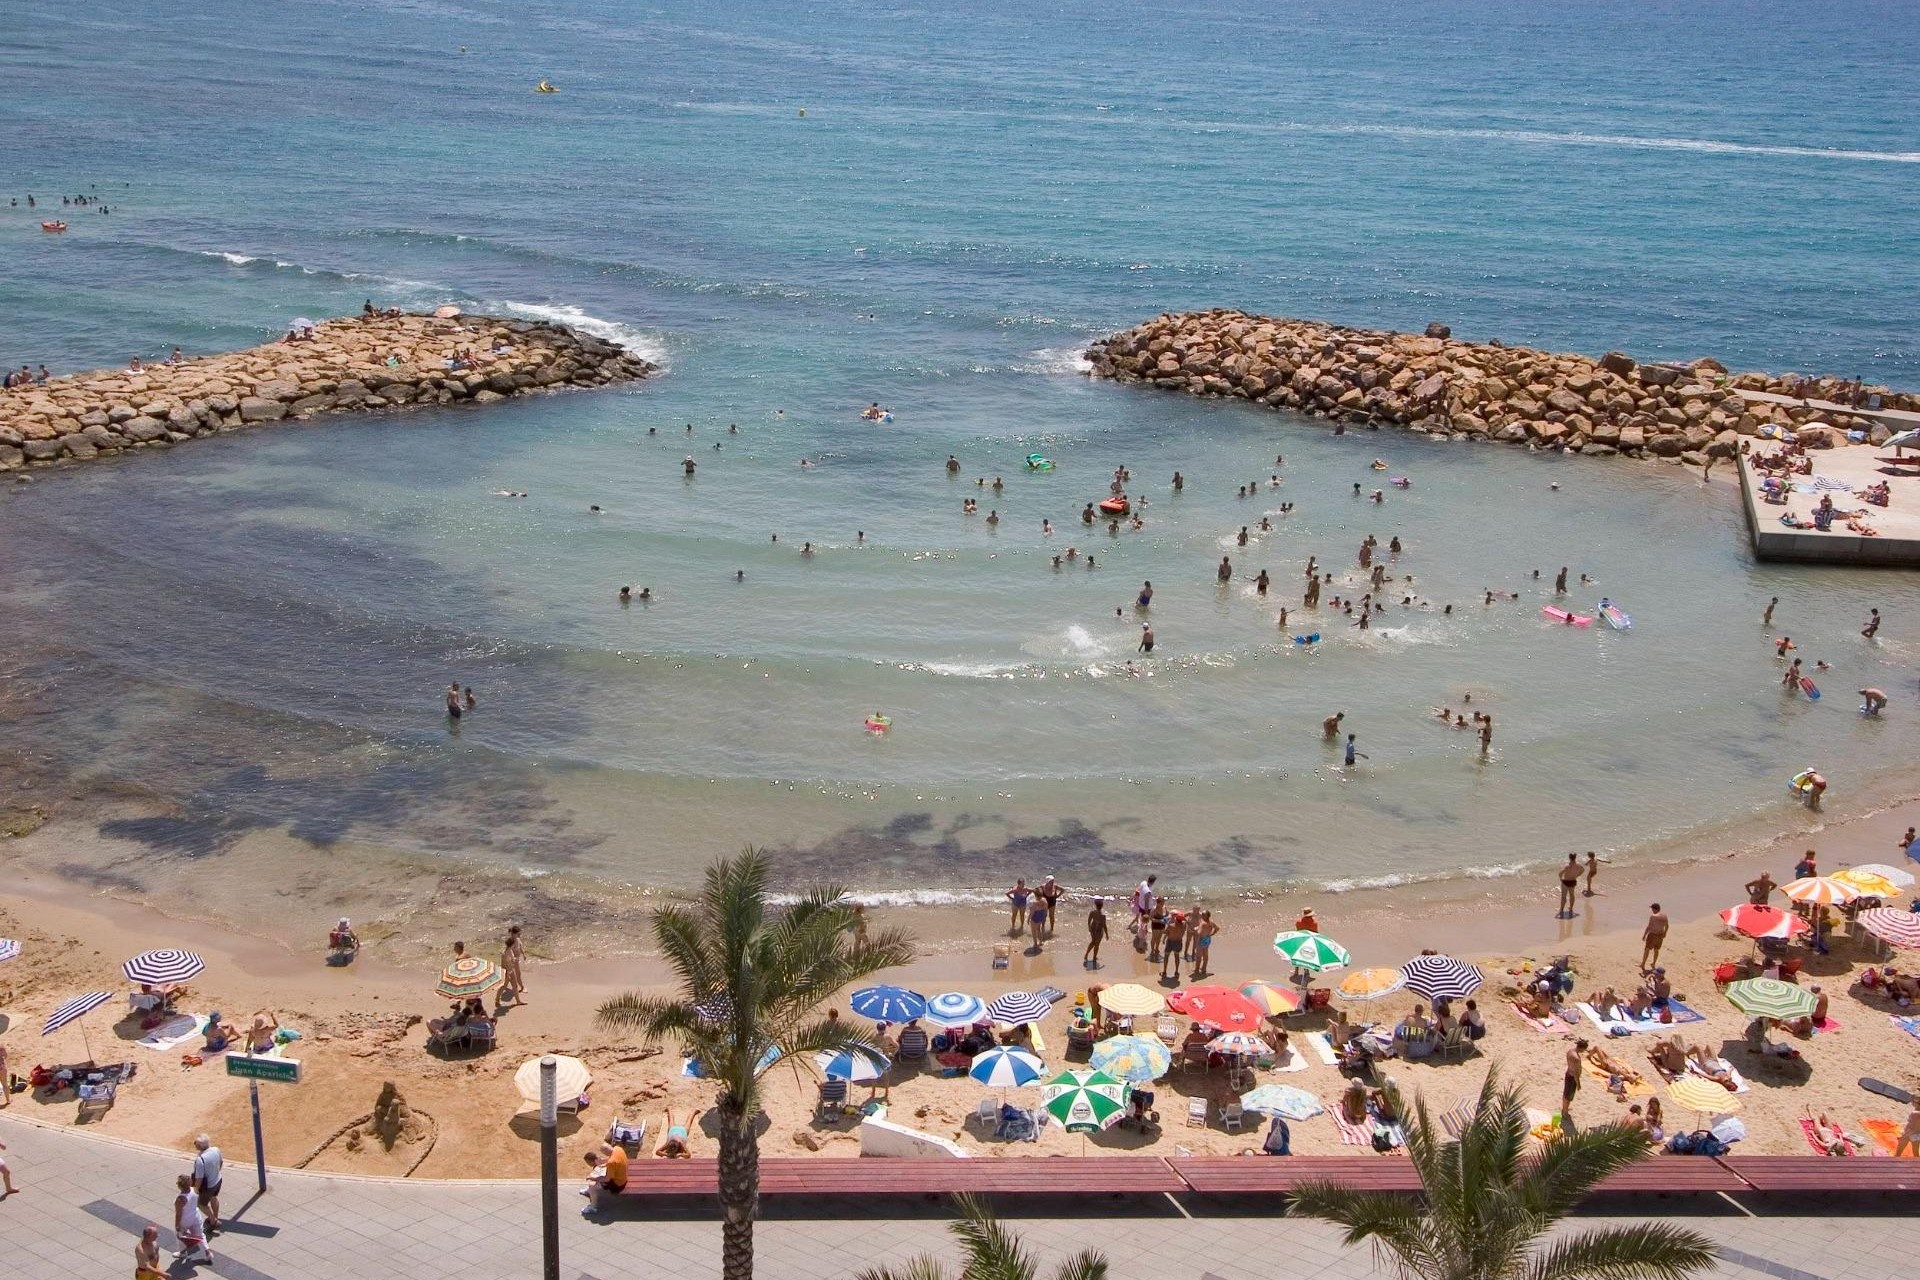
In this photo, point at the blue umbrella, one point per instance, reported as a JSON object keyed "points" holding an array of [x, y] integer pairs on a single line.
{"points": [[888, 1004], [1005, 1068], [956, 1009], [1016, 1007], [853, 1064]]}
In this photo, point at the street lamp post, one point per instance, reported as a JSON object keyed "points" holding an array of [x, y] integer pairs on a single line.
{"points": [[549, 1169]]}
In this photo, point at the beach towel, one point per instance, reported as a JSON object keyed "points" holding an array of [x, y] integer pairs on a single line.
{"points": [[1396, 1136], [1819, 1148], [174, 1032], [1546, 1026], [1323, 1046], [1739, 1081], [1909, 1025], [1827, 1025], [1886, 1136], [1352, 1135], [1294, 1061], [1681, 1013], [1635, 1088]]}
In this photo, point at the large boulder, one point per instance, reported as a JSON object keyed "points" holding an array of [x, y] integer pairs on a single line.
{"points": [[1437, 330], [1617, 362], [143, 429], [261, 409]]}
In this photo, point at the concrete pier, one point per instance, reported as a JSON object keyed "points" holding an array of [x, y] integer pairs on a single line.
{"points": [[1896, 541]]}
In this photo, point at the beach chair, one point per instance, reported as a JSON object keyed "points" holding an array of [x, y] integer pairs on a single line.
{"points": [[1196, 1113], [833, 1097], [1454, 1042], [1168, 1029], [480, 1034], [1002, 955], [446, 1038], [987, 1113], [629, 1134], [1232, 1117]]}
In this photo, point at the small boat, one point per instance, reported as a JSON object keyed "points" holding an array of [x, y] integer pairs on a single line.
{"points": [[54, 227]]}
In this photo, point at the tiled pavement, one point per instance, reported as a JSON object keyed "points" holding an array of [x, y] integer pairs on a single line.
{"points": [[83, 1200]]}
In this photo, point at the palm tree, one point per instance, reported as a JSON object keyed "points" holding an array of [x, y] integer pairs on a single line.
{"points": [[752, 979], [1489, 1200], [993, 1253]]}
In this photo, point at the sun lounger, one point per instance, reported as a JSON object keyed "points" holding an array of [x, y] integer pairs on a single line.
{"points": [[631, 1134]]}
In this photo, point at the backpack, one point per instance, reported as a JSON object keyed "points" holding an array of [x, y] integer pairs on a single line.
{"points": [[1382, 1140]]}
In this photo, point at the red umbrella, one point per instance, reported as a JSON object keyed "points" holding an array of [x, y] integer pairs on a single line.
{"points": [[1764, 922], [1222, 1007]]}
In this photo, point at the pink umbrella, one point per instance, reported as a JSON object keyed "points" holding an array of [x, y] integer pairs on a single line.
{"points": [[1764, 922], [1901, 928]]}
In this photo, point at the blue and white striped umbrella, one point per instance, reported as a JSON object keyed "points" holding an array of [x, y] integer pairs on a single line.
{"points": [[164, 966], [888, 1004], [955, 1009], [1005, 1068], [8, 948], [852, 1064], [1442, 977], [1017, 1007], [74, 1008]]}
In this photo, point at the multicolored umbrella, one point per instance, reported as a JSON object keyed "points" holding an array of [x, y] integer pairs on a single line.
{"points": [[163, 968], [1005, 1068], [1896, 876], [1763, 922], [1274, 1000], [1222, 1007], [1873, 881], [1824, 891], [469, 976], [1085, 1101], [74, 1008], [1132, 1000], [888, 1004], [8, 948], [1442, 977], [1017, 1007], [1704, 1096], [1371, 984], [1134, 1059], [1770, 998], [1901, 928], [852, 1064], [1238, 1044], [1282, 1100], [1314, 952], [955, 1009]]}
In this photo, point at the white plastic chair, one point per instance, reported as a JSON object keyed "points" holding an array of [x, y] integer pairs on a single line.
{"points": [[1196, 1113], [988, 1112]]}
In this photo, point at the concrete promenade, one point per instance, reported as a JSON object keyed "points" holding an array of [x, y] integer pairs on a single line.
{"points": [[83, 1201]]}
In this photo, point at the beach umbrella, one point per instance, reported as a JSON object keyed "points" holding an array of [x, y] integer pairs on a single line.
{"points": [[163, 968], [1005, 1068], [1891, 924], [571, 1078], [1823, 891], [1442, 977], [1872, 881], [1135, 1059], [1902, 440], [888, 1004], [1763, 922], [1697, 1094], [469, 976], [1902, 878], [1314, 952], [853, 1064], [1222, 1007], [1770, 998], [1282, 1100], [74, 1009], [1132, 1000], [8, 948], [1273, 1000], [1085, 1101], [955, 1009], [1371, 984], [1238, 1044], [1017, 1007]]}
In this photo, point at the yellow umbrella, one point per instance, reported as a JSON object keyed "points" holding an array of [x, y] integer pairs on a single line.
{"points": [[570, 1078], [1824, 891], [1273, 1000], [1371, 984], [1866, 883], [1132, 1000], [1696, 1094]]}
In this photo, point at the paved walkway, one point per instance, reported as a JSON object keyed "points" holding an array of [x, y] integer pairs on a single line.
{"points": [[84, 1200]]}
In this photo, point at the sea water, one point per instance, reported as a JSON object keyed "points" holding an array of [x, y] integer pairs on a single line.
{"points": [[802, 211]]}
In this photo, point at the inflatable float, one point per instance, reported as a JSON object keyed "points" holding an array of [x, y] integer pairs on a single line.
{"points": [[1400, 482], [1114, 506], [1807, 784], [1570, 619], [877, 723], [54, 228], [1614, 616], [1378, 465], [1039, 462], [1808, 687], [545, 87], [1312, 637]]}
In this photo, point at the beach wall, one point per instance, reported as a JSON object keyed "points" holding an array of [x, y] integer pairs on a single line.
{"points": [[352, 364], [1480, 390]]}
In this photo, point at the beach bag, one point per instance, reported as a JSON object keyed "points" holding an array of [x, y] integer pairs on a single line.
{"points": [[1681, 1144], [1382, 1140], [1666, 1013]]}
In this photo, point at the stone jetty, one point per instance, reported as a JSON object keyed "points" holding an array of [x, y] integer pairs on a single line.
{"points": [[353, 364], [1480, 390]]}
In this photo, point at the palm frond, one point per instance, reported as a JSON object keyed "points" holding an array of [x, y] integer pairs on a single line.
{"points": [[921, 1268], [1572, 1165], [1638, 1251], [1086, 1265], [1393, 1224]]}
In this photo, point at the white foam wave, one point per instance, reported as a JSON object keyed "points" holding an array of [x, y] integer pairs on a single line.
{"points": [[231, 259], [646, 345], [1055, 360]]}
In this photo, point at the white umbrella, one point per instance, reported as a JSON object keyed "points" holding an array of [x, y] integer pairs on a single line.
{"points": [[1903, 440], [163, 967], [1016, 1007], [852, 1064], [570, 1078]]}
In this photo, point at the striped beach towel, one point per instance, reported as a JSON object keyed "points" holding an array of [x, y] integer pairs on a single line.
{"points": [[1352, 1135]]}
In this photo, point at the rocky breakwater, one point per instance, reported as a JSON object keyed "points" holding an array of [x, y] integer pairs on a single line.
{"points": [[357, 363], [1480, 390]]}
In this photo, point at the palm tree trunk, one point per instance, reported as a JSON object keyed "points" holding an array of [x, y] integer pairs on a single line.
{"points": [[739, 1190]]}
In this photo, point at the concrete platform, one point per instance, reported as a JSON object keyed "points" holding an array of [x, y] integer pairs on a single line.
{"points": [[1898, 542]]}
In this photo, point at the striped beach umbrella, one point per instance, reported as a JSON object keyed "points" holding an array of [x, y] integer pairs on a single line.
{"points": [[1017, 1007], [1763, 922], [1442, 977], [1371, 984], [163, 967], [1085, 1101], [852, 1064], [77, 1007], [1901, 928], [888, 1004], [1132, 1000], [1314, 952], [1282, 1100], [1135, 1059], [1274, 1000], [1005, 1068], [1221, 1007], [1238, 1044], [1704, 1096], [8, 948], [469, 976], [1822, 891], [1770, 998], [955, 1009]]}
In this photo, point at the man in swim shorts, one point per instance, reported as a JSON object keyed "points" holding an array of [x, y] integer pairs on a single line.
{"points": [[1569, 882]]}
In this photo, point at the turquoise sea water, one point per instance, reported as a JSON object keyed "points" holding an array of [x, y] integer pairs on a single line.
{"points": [[257, 628]]}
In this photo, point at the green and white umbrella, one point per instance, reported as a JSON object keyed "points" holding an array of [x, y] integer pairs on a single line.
{"points": [[1084, 1101], [1771, 998], [1314, 952]]}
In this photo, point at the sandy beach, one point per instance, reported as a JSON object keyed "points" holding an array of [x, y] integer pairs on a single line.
{"points": [[361, 1025]]}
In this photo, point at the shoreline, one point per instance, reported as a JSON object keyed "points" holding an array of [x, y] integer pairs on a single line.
{"points": [[350, 364]]}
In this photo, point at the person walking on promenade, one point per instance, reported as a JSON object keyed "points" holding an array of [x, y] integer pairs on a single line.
{"points": [[189, 1224], [207, 1171], [6, 1176]]}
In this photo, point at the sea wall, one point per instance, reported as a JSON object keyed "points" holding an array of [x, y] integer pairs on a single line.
{"points": [[1480, 390], [356, 363]]}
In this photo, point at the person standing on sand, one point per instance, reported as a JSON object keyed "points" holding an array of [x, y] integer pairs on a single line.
{"points": [[512, 956], [1176, 941], [1096, 934], [1203, 935], [1571, 1084], [1593, 869], [1569, 881], [1049, 893], [1037, 922], [1017, 911], [1760, 888], [1652, 938]]}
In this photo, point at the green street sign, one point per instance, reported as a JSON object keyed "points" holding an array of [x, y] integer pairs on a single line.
{"points": [[280, 1070]]}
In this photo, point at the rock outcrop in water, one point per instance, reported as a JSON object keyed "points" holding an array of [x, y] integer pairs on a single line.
{"points": [[357, 363], [1442, 387]]}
